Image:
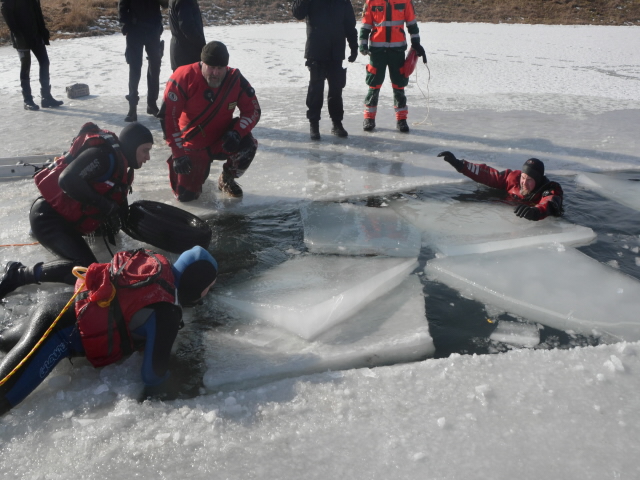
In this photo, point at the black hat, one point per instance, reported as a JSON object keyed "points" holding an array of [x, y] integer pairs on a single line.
{"points": [[535, 169], [131, 137], [215, 54], [194, 279]]}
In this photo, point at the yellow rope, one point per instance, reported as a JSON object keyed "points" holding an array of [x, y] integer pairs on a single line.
{"points": [[78, 272]]}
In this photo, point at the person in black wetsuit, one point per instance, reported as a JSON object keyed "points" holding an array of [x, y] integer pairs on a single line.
{"points": [[80, 183], [153, 328]]}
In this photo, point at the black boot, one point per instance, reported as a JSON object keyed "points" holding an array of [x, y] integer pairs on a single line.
{"points": [[47, 100], [152, 109], [338, 130], [369, 124], [16, 275], [29, 104], [402, 126], [132, 116], [228, 185], [314, 130]]}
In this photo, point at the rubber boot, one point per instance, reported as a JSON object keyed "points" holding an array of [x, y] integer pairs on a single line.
{"points": [[29, 104], [152, 109], [314, 130], [402, 126], [228, 185], [47, 100], [17, 275], [132, 116], [369, 124], [338, 130]]}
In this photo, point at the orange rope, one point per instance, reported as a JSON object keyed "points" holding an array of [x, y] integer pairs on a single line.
{"points": [[20, 244]]}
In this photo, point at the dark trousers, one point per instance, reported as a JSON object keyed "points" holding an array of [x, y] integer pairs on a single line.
{"points": [[59, 236], [40, 51], [137, 40], [336, 77]]}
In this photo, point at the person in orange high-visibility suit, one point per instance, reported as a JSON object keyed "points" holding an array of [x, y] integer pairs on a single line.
{"points": [[383, 38]]}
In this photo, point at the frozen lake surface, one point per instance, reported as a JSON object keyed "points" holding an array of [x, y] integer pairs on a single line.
{"points": [[256, 400]]}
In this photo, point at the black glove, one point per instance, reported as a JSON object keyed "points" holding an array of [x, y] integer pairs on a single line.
{"points": [[451, 159], [125, 28], [231, 141], [111, 224], [525, 211], [420, 51], [353, 56], [364, 49], [182, 165]]}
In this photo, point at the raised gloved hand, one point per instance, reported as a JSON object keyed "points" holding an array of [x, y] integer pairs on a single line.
{"points": [[364, 49], [231, 141], [451, 159], [525, 211], [420, 51], [182, 165], [353, 56]]}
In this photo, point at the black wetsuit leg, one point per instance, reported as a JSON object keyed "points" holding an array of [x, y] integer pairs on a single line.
{"points": [[58, 236], [63, 342]]}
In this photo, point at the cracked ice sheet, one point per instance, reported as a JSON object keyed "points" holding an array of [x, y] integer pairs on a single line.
{"points": [[459, 228], [391, 329], [622, 190], [308, 295], [558, 287], [346, 229]]}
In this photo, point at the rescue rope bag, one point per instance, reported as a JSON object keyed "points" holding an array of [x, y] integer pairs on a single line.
{"points": [[86, 218], [113, 292], [165, 226]]}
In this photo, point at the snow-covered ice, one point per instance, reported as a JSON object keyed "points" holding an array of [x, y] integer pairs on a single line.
{"points": [[495, 94]]}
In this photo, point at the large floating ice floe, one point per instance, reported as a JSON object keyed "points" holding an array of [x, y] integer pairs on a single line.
{"points": [[459, 228], [558, 287], [310, 294], [389, 330], [346, 229], [625, 191]]}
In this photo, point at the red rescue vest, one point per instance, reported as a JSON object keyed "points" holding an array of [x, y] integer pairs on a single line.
{"points": [[113, 292], [86, 218]]}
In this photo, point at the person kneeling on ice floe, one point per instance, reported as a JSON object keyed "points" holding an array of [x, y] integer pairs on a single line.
{"points": [[539, 196], [132, 303], [199, 126], [82, 192]]}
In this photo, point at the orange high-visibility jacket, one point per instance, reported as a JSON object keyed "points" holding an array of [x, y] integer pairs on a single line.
{"points": [[383, 24]]}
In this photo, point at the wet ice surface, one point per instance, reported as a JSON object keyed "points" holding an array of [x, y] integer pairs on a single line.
{"points": [[498, 94]]}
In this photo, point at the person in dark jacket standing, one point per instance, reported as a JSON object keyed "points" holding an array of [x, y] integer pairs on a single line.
{"points": [[142, 25], [29, 34], [329, 23], [187, 34]]}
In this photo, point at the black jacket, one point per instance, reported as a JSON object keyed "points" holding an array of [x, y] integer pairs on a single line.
{"points": [[24, 19], [187, 34], [329, 23], [142, 15]]}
